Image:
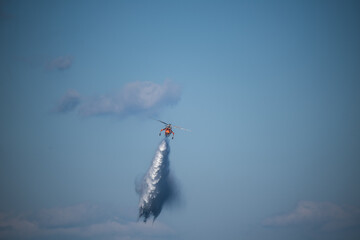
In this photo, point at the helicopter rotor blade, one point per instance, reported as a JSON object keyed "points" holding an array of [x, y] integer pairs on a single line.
{"points": [[160, 121], [188, 130]]}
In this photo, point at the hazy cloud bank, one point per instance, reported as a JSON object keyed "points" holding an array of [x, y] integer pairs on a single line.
{"points": [[324, 216], [82, 221]]}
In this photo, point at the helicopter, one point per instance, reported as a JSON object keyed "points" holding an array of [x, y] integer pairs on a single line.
{"points": [[168, 129]]}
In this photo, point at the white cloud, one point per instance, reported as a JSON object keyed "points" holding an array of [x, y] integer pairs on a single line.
{"points": [[68, 102], [133, 98], [324, 215], [82, 221]]}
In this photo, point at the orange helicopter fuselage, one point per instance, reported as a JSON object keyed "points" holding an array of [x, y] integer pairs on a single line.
{"points": [[168, 131]]}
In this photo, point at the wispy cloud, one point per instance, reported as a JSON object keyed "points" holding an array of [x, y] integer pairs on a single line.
{"points": [[82, 221], [323, 215], [60, 63], [68, 102], [133, 98]]}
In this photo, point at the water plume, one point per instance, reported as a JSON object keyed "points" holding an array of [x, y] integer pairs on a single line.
{"points": [[157, 187]]}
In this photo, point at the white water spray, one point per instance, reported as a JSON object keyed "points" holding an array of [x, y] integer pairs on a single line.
{"points": [[157, 188]]}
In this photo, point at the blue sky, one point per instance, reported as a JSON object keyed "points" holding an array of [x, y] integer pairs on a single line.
{"points": [[270, 90]]}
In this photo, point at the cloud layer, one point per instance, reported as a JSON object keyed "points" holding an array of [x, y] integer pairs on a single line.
{"points": [[323, 215], [133, 98], [82, 221]]}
